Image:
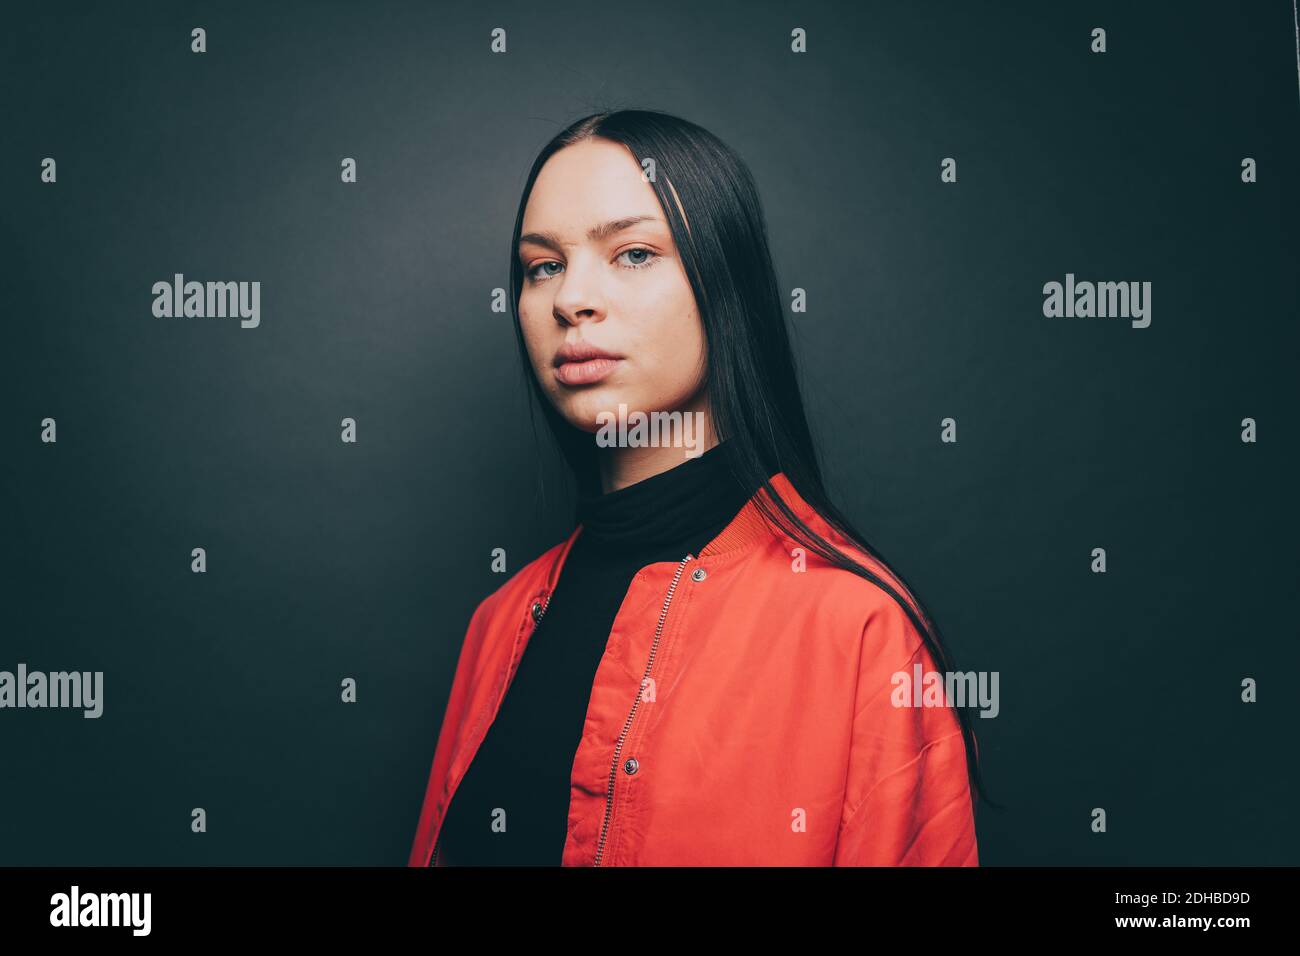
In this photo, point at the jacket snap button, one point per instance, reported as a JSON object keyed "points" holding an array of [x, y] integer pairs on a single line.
{"points": [[699, 574], [631, 765], [537, 610]]}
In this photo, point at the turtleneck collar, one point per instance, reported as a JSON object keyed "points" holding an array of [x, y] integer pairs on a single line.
{"points": [[698, 496]]}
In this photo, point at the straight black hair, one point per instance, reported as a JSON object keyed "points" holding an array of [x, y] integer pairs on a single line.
{"points": [[754, 395]]}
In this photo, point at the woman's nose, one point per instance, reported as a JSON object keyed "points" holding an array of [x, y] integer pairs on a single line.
{"points": [[578, 297]]}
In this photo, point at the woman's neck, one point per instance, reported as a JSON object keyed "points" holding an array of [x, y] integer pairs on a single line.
{"points": [[681, 508], [621, 466]]}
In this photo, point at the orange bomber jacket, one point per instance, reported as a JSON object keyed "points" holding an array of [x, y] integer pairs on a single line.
{"points": [[742, 714]]}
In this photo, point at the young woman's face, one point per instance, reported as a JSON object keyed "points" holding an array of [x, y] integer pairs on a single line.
{"points": [[607, 313]]}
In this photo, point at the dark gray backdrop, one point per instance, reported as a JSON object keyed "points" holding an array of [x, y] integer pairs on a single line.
{"points": [[328, 560]]}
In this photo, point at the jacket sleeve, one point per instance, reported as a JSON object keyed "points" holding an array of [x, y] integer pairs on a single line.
{"points": [[907, 798]]}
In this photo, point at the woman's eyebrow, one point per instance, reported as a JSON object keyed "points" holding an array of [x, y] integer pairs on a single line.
{"points": [[602, 231]]}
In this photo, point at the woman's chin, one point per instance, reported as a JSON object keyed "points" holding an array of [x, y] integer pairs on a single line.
{"points": [[591, 412]]}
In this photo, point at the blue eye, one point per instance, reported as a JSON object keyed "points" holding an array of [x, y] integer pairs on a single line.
{"points": [[532, 273], [536, 275], [650, 257]]}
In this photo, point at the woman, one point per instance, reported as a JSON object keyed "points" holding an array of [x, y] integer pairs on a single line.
{"points": [[704, 671]]}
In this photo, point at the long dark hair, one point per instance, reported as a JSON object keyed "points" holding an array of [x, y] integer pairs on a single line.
{"points": [[754, 396]]}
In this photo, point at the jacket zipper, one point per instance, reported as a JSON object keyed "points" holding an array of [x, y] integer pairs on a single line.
{"points": [[627, 724], [537, 620]]}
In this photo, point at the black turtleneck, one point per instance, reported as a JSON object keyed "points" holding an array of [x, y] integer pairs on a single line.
{"points": [[524, 763]]}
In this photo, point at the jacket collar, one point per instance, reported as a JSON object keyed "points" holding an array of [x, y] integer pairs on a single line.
{"points": [[749, 526]]}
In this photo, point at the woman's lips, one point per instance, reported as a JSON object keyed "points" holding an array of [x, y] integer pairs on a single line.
{"points": [[584, 373]]}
